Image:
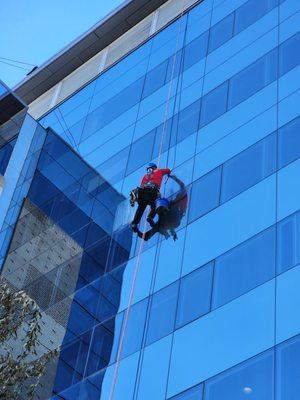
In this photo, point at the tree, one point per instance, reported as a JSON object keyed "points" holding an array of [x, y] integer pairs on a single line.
{"points": [[21, 367]]}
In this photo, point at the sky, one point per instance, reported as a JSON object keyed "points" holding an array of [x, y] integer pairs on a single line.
{"points": [[32, 31]]}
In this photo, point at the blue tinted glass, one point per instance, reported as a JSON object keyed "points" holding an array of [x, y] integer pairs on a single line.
{"points": [[163, 137], [289, 55], [113, 170], [2, 89], [245, 267], [162, 313], [90, 269], [249, 167], [288, 370], [196, 393], [253, 379], [195, 51], [174, 65], [253, 78], [188, 121], [214, 104], [75, 354], [135, 328], [205, 194], [221, 32], [115, 106], [83, 95], [194, 295], [250, 12], [5, 153], [65, 376], [155, 79], [79, 320], [289, 142], [288, 243], [140, 152]]}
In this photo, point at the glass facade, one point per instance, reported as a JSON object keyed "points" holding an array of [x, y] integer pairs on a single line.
{"points": [[213, 315]]}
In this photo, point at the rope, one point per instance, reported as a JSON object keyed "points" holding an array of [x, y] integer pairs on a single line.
{"points": [[17, 62], [67, 130], [170, 87], [138, 259], [15, 66]]}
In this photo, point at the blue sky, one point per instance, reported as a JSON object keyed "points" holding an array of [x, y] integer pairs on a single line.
{"points": [[32, 31]]}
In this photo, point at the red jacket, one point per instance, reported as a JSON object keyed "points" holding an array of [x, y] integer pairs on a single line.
{"points": [[156, 177]]}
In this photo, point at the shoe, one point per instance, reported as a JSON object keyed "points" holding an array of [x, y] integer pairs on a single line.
{"points": [[134, 227], [146, 236], [151, 222]]}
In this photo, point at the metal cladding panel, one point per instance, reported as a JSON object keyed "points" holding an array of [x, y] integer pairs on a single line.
{"points": [[107, 31], [80, 77], [10, 105], [42, 104], [114, 37], [129, 40], [171, 10]]}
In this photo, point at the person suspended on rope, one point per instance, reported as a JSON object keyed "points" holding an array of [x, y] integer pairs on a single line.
{"points": [[146, 194], [170, 213]]}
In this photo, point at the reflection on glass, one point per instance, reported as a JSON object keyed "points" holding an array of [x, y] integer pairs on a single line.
{"points": [[196, 393], [244, 267], [249, 167], [255, 376], [162, 313], [194, 295], [289, 142], [288, 243]]}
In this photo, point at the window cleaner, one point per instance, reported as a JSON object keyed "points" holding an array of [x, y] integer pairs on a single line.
{"points": [[170, 213], [147, 193]]}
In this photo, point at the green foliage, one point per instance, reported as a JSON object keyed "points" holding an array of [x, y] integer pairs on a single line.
{"points": [[20, 328]]}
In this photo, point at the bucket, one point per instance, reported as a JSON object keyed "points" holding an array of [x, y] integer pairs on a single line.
{"points": [[162, 205]]}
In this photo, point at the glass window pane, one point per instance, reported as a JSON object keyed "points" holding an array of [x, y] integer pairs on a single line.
{"points": [[253, 78], [245, 267], [195, 51], [289, 142], [251, 377], [196, 393], [162, 313], [135, 328], [2, 89], [140, 152], [214, 104], [221, 32], [113, 170], [288, 370], [194, 295], [5, 153], [155, 79], [251, 11], [289, 54], [164, 134], [112, 108], [205, 194], [288, 243], [174, 65], [187, 121], [249, 167]]}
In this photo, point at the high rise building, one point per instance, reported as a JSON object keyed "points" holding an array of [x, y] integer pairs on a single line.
{"points": [[211, 90]]}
